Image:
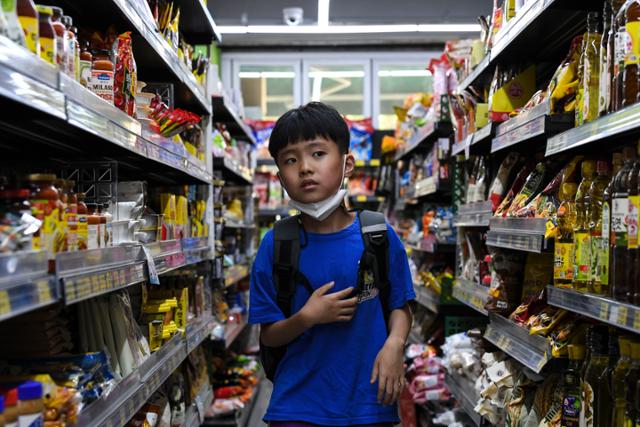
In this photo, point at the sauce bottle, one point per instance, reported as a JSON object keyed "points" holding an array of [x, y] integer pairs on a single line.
{"points": [[579, 118], [62, 231], [619, 57], [591, 73], [73, 49], [48, 45], [598, 229], [597, 364], [83, 230], [630, 89], [619, 212], [30, 404], [28, 15], [581, 242], [108, 222], [61, 38], [607, 238], [71, 216], [563, 248], [617, 382], [102, 70], [84, 65], [572, 388], [13, 30], [44, 206], [603, 60], [632, 229], [93, 227]]}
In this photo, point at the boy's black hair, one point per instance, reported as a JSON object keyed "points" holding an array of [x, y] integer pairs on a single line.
{"points": [[307, 122]]}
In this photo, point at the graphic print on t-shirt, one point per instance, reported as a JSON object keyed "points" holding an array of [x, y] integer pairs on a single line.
{"points": [[369, 290]]}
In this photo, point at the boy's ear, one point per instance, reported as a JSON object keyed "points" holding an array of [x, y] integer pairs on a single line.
{"points": [[350, 164]]}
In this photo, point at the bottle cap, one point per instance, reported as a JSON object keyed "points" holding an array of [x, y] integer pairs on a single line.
{"points": [[10, 397], [30, 390], [39, 177], [588, 168]]}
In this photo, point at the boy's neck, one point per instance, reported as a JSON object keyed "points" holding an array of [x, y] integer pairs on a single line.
{"points": [[337, 221]]}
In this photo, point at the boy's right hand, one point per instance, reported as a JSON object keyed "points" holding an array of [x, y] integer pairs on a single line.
{"points": [[322, 308]]}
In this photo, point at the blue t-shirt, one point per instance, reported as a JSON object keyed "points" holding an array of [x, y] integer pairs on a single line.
{"points": [[325, 375]]}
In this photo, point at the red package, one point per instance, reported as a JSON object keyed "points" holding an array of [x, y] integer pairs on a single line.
{"points": [[125, 77]]}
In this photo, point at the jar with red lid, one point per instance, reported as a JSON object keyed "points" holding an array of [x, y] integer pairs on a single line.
{"points": [[102, 70]]}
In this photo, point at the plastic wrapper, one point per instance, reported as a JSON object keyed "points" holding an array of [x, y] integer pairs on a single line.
{"points": [[361, 144], [500, 182], [515, 188], [505, 286], [125, 76], [530, 307], [531, 187], [562, 336], [564, 83], [543, 322]]}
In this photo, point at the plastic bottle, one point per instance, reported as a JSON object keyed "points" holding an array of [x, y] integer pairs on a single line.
{"points": [[591, 73], [621, 37], [617, 382], [28, 16], [94, 234], [630, 88], [14, 30], [619, 212], [73, 49], [632, 231], [598, 229], [599, 359], [603, 59], [30, 404], [581, 238], [61, 38], [48, 44], [579, 118], [44, 206], [563, 248], [572, 388]]}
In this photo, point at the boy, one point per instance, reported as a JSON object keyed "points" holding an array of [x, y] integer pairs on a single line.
{"points": [[343, 366]]}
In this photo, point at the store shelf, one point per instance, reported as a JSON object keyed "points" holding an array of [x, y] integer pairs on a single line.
{"points": [[373, 163], [196, 412], [522, 234], [475, 74], [475, 139], [130, 394], [157, 50], [615, 124], [25, 284], [223, 112], [533, 351], [464, 392], [196, 22], [197, 331], [528, 125], [232, 331], [424, 187], [476, 214], [235, 273], [82, 115], [233, 171], [241, 417], [427, 298], [606, 310], [90, 273], [366, 199], [471, 294], [424, 134], [430, 244], [230, 223]]}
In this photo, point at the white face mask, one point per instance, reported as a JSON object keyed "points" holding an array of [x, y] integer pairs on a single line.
{"points": [[322, 209]]}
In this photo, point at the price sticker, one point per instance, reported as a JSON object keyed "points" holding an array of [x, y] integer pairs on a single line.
{"points": [[5, 303], [123, 277], [604, 311], [636, 319], [623, 313], [104, 282], [44, 292], [95, 284]]}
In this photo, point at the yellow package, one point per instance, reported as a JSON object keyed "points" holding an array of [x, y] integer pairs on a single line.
{"points": [[482, 115], [160, 306], [181, 309], [168, 204], [155, 335], [545, 321], [513, 95], [182, 216]]}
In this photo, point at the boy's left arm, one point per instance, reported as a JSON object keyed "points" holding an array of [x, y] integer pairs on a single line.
{"points": [[388, 368]]}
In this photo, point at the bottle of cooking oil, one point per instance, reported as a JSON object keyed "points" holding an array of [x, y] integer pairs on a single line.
{"points": [[630, 88], [604, 404], [591, 73], [563, 247], [603, 60], [572, 388], [632, 231], [617, 382], [581, 238], [597, 364], [599, 261], [579, 112], [615, 52], [604, 265]]}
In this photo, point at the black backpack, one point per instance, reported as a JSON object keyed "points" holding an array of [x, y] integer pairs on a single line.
{"points": [[373, 271]]}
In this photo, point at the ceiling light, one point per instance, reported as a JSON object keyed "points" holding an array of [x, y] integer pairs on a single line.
{"points": [[323, 13], [267, 74], [349, 29], [336, 74]]}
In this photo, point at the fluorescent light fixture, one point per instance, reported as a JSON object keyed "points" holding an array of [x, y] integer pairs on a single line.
{"points": [[404, 73], [323, 13], [349, 29], [267, 74], [336, 74]]}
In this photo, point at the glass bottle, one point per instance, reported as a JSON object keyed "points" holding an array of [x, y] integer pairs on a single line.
{"points": [[61, 38], [604, 404], [579, 118], [572, 388], [620, 43], [48, 47], [14, 30], [619, 211], [591, 73], [603, 60], [607, 203], [630, 89], [617, 382], [632, 229], [581, 242], [630, 379], [596, 366], [597, 230], [28, 16], [563, 248]]}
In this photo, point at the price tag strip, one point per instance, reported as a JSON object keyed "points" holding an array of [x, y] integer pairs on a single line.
{"points": [[88, 285], [18, 299], [474, 296], [529, 355]]}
